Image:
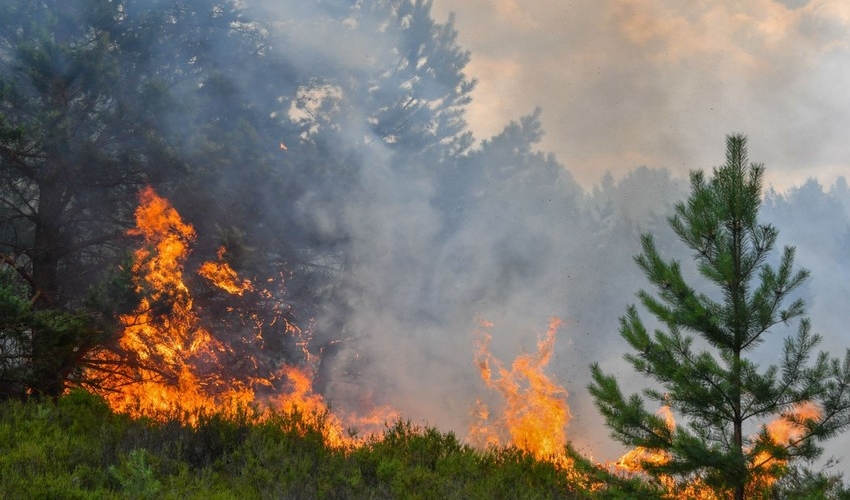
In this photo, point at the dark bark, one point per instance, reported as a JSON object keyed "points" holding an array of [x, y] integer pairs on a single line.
{"points": [[48, 348]]}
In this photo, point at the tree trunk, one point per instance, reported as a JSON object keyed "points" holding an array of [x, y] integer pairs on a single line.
{"points": [[738, 295], [47, 349], [738, 429]]}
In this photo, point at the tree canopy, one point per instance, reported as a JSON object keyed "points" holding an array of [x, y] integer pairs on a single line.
{"points": [[200, 99]]}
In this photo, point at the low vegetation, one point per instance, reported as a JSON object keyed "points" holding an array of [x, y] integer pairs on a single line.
{"points": [[79, 449]]}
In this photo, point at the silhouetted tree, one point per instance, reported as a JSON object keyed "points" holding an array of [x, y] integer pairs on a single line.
{"points": [[98, 99], [403, 88], [713, 382], [206, 103], [416, 95], [70, 153]]}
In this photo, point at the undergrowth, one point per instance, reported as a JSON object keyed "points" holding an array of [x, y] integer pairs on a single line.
{"points": [[77, 448]]}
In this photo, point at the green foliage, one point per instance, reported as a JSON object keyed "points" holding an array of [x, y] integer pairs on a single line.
{"points": [[801, 483], [136, 476], [713, 382], [64, 334], [78, 448]]}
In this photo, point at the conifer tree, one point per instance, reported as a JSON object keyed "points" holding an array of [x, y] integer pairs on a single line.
{"points": [[701, 355]]}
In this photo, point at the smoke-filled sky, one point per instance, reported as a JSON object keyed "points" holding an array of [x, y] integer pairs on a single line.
{"points": [[624, 83]]}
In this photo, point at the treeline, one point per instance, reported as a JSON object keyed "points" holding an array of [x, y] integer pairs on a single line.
{"points": [[253, 128], [323, 143]]}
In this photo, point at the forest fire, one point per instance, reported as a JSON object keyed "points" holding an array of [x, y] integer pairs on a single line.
{"points": [[342, 211], [167, 361], [162, 341]]}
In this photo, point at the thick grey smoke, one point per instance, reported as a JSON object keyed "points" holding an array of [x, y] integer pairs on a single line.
{"points": [[510, 237]]}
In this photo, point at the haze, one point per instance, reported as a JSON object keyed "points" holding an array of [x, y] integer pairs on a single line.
{"points": [[624, 83]]}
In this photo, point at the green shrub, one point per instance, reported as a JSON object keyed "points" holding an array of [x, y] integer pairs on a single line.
{"points": [[136, 476], [78, 448]]}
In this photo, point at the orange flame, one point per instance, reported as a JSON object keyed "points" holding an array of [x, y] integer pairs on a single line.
{"points": [[163, 345], [632, 461], [223, 276], [535, 414], [167, 361], [784, 430]]}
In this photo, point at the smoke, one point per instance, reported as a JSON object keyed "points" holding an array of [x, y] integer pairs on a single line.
{"points": [[508, 235], [657, 82], [417, 245]]}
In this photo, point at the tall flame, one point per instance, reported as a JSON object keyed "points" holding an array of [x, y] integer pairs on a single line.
{"points": [[535, 413], [162, 346], [166, 360]]}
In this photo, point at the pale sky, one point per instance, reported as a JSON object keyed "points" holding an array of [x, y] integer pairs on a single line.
{"points": [[625, 83]]}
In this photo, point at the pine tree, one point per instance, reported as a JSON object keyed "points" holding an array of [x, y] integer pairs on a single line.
{"points": [[721, 397]]}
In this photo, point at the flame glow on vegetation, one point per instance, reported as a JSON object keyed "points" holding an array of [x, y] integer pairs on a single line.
{"points": [[783, 431]]}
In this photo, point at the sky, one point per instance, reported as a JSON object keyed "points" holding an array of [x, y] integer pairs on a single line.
{"points": [[660, 83]]}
